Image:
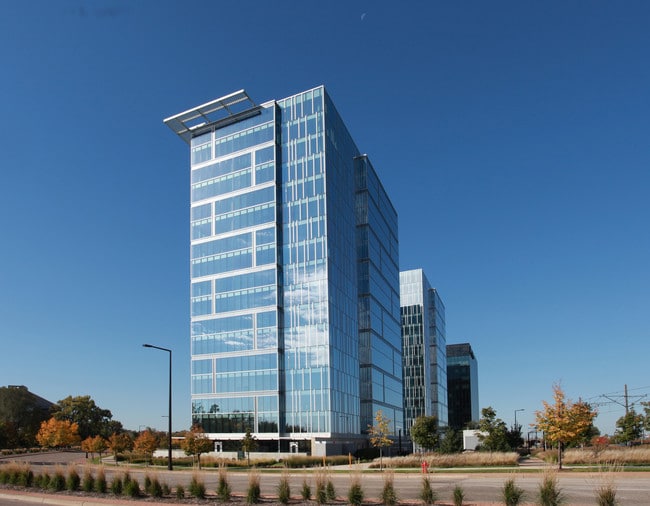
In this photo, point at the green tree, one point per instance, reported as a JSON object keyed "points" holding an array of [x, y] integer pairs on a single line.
{"points": [[83, 411], [514, 437], [424, 432], [494, 432], [248, 444], [564, 422], [196, 443], [629, 427], [379, 435], [452, 442], [21, 414], [646, 415]]}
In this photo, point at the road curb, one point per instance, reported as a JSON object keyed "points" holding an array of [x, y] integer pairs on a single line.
{"points": [[53, 500]]}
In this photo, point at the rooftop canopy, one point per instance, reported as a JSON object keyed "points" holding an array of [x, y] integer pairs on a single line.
{"points": [[225, 109]]}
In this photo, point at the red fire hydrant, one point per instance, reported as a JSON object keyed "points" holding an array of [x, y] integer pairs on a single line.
{"points": [[425, 467]]}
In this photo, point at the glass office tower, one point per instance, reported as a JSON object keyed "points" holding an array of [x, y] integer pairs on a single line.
{"points": [[379, 307], [462, 385], [424, 349], [274, 284]]}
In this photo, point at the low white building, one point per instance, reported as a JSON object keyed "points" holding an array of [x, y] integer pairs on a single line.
{"points": [[471, 439]]}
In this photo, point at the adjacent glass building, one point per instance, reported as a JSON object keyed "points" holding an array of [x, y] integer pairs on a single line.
{"points": [[291, 300], [379, 307], [462, 385], [423, 348]]}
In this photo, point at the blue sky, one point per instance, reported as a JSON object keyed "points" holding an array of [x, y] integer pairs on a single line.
{"points": [[512, 137]]}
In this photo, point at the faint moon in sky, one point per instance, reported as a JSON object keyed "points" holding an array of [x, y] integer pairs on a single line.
{"points": [[363, 16]]}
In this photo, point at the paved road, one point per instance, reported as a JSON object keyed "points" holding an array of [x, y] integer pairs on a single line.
{"points": [[578, 487]]}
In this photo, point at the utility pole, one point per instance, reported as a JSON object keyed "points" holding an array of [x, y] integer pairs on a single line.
{"points": [[613, 398]]}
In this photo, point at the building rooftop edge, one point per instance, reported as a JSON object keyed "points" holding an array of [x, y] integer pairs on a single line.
{"points": [[185, 123]]}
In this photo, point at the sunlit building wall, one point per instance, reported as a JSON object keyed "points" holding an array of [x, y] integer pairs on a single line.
{"points": [[275, 333], [424, 349]]}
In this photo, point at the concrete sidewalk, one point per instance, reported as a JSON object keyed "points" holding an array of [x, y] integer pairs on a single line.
{"points": [[71, 500]]}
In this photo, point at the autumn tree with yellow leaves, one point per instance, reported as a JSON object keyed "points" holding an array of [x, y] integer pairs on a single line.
{"points": [[95, 444], [196, 443], [379, 435], [58, 433], [564, 422], [145, 444], [120, 443]]}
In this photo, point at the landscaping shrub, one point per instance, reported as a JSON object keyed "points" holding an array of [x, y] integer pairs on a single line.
{"points": [[253, 493], [284, 489], [606, 492], [57, 482], [606, 495], [305, 491], [88, 482], [100, 481], [180, 492], [512, 494], [132, 488], [197, 487], [330, 491], [155, 489], [549, 492], [73, 480], [117, 485], [223, 486], [388, 494], [320, 492], [355, 492], [44, 481], [17, 474], [26, 477], [458, 495], [427, 494]]}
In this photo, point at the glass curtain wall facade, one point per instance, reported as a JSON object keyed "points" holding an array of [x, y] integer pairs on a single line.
{"points": [[274, 295], [379, 306], [423, 348], [462, 385], [235, 269]]}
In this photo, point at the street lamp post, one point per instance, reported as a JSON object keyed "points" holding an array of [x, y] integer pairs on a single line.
{"points": [[522, 409], [169, 432]]}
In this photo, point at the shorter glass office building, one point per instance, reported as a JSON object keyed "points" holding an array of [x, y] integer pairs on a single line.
{"points": [[423, 349], [462, 385]]}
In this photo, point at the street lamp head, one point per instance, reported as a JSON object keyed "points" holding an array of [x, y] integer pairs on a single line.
{"points": [[147, 346]]}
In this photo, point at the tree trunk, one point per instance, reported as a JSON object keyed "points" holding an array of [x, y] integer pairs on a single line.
{"points": [[559, 456]]}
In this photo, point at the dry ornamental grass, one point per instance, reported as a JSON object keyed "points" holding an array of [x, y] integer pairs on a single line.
{"points": [[475, 459], [624, 456]]}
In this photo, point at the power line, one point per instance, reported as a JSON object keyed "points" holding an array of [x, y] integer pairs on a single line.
{"points": [[622, 399]]}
